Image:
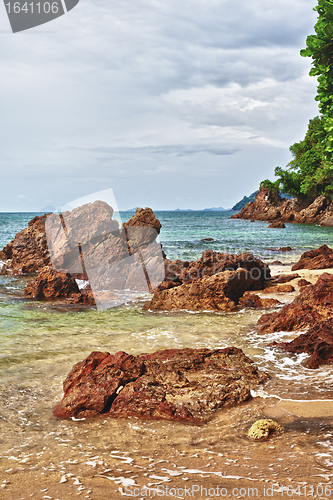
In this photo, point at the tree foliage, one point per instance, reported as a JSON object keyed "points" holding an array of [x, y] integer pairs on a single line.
{"points": [[320, 48], [310, 173]]}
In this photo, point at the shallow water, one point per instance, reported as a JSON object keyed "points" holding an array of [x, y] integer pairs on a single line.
{"points": [[40, 342]]}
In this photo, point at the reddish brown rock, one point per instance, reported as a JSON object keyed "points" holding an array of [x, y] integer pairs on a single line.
{"points": [[207, 239], [142, 228], [284, 278], [312, 305], [220, 292], [28, 252], [269, 206], [253, 300], [317, 341], [174, 384], [90, 225], [280, 289], [50, 284], [211, 263], [320, 258], [276, 225], [282, 249], [303, 282]]}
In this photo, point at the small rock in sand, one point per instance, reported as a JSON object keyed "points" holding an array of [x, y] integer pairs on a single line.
{"points": [[261, 429]]}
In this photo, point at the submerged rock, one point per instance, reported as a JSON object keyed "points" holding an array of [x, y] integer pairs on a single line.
{"points": [[174, 384], [276, 225], [261, 429], [320, 258], [317, 341], [312, 305]]}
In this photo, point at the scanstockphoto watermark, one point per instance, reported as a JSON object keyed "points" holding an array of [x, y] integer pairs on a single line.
{"points": [[193, 491], [199, 491], [24, 15]]}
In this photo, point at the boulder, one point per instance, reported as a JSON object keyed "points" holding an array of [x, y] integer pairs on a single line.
{"points": [[219, 292], [261, 429], [320, 258], [54, 238], [174, 384], [51, 285], [27, 252], [317, 341], [313, 304], [253, 300], [276, 225], [303, 282], [211, 263]]}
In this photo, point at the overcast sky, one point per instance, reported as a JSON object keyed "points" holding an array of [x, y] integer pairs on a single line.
{"points": [[172, 103]]}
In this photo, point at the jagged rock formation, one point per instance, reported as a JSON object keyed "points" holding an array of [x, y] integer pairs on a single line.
{"points": [[269, 206], [320, 258], [313, 305], [317, 341]]}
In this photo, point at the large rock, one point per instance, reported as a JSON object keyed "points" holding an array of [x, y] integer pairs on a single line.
{"points": [[51, 284], [320, 258], [86, 233], [28, 252], [219, 292], [276, 225], [317, 341], [312, 305], [254, 301], [181, 272], [174, 384], [269, 206]]}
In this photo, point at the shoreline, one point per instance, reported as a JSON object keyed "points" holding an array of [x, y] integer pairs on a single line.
{"points": [[225, 459]]}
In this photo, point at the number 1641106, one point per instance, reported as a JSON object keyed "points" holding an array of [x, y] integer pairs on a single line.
{"points": [[32, 7]]}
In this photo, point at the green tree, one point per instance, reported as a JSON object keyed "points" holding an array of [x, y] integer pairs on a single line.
{"points": [[320, 48], [310, 173]]}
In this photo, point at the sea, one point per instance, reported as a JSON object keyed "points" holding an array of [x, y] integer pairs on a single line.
{"points": [[116, 458]]}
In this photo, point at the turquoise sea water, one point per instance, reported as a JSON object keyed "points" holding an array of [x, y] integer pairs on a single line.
{"points": [[182, 231], [40, 342]]}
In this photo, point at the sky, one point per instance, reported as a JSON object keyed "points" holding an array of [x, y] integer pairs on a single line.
{"points": [[172, 104]]}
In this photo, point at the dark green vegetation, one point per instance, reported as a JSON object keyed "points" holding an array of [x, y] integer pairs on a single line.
{"points": [[242, 203], [310, 173]]}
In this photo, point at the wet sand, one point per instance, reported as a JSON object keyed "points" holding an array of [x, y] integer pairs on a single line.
{"points": [[213, 461]]}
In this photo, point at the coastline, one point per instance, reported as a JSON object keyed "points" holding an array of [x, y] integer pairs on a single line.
{"points": [[173, 455]]}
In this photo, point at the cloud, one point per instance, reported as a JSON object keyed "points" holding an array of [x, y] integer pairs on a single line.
{"points": [[121, 88]]}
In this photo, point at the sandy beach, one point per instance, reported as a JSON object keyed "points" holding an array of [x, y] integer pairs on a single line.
{"points": [[170, 460]]}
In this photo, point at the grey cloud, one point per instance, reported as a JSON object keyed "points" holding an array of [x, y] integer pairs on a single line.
{"points": [[167, 149], [110, 75]]}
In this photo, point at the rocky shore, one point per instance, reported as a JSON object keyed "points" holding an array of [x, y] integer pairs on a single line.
{"points": [[176, 384], [269, 206]]}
